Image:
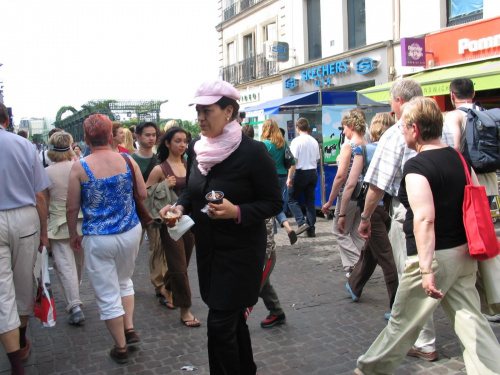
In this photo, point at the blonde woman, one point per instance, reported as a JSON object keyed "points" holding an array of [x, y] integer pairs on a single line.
{"points": [[350, 242], [275, 143], [170, 124], [378, 250], [68, 263], [128, 143]]}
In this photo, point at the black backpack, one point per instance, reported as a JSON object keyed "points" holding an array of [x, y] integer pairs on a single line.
{"points": [[482, 134]]}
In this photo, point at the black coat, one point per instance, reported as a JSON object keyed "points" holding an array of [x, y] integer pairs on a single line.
{"points": [[230, 256]]}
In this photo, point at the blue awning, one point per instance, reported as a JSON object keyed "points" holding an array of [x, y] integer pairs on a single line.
{"points": [[272, 107], [338, 98]]}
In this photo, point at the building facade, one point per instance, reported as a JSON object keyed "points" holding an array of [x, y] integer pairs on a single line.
{"points": [[320, 58], [329, 45]]}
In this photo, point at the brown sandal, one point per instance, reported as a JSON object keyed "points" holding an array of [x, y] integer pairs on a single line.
{"points": [[119, 355], [131, 336]]}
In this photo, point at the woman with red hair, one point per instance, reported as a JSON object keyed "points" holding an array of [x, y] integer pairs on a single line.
{"points": [[101, 184]]}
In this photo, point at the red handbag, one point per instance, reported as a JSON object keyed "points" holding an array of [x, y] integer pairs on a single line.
{"points": [[481, 236]]}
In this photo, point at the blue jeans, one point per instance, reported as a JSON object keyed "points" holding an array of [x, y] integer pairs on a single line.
{"points": [[281, 217], [303, 181]]}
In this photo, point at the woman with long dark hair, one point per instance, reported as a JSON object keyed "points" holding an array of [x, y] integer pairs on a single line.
{"points": [[172, 170]]}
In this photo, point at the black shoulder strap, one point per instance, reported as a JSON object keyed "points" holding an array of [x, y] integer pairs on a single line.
{"points": [[150, 167], [365, 163], [45, 165]]}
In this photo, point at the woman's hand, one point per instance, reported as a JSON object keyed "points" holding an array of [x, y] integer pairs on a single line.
{"points": [[178, 209], [225, 210], [170, 181], [325, 208], [341, 224], [430, 287]]}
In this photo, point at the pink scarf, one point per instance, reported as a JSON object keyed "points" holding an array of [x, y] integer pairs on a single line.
{"points": [[211, 151]]}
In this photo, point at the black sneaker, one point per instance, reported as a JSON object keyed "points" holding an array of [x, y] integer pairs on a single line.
{"points": [[311, 233], [273, 320]]}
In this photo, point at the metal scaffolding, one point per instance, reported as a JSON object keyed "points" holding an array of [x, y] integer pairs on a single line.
{"points": [[145, 111]]}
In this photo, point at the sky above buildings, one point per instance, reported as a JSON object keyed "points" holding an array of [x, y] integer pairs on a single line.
{"points": [[59, 53]]}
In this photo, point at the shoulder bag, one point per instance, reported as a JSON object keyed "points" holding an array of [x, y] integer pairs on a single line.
{"points": [[481, 236], [288, 158], [140, 208], [361, 188]]}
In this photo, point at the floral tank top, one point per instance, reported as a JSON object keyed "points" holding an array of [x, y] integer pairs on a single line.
{"points": [[107, 203]]}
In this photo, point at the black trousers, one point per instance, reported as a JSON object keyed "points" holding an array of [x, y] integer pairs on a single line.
{"points": [[229, 344]]}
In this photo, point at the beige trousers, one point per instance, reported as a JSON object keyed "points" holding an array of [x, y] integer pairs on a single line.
{"points": [[455, 276], [68, 264], [350, 243], [426, 341]]}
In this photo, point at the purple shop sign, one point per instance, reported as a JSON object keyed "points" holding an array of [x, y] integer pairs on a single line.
{"points": [[413, 51]]}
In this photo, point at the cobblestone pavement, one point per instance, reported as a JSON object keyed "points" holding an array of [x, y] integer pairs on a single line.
{"points": [[325, 331]]}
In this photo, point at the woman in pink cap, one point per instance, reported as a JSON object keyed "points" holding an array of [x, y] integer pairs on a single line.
{"points": [[231, 237]]}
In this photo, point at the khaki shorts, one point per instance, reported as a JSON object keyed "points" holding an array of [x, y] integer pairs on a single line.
{"points": [[19, 241]]}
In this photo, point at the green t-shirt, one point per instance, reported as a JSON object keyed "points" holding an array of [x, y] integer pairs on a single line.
{"points": [[143, 164], [278, 155]]}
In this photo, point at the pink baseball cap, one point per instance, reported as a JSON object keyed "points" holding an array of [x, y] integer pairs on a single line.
{"points": [[210, 92]]}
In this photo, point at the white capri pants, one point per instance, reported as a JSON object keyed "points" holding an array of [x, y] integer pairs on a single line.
{"points": [[110, 262]]}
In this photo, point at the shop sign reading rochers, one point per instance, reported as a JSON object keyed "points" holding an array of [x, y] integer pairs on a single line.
{"points": [[321, 73]]}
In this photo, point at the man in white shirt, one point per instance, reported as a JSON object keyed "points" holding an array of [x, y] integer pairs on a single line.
{"points": [[305, 149]]}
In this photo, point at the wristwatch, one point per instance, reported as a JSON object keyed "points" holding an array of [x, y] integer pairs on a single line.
{"points": [[365, 218]]}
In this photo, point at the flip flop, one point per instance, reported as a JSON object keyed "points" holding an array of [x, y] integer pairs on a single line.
{"points": [[167, 304], [185, 322]]}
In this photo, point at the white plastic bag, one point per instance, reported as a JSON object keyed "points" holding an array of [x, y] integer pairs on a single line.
{"points": [[182, 226], [44, 301]]}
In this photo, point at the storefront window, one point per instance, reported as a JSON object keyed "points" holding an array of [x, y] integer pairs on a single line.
{"points": [[314, 29], [356, 23], [463, 11]]}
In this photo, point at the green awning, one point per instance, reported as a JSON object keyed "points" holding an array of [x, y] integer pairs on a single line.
{"points": [[485, 75]]}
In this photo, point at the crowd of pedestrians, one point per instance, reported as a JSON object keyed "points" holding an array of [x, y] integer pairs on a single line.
{"points": [[237, 191]]}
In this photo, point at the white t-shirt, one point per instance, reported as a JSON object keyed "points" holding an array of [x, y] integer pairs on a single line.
{"points": [[306, 150], [47, 160]]}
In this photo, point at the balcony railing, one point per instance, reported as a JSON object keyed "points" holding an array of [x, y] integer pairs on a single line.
{"points": [[250, 69], [238, 7]]}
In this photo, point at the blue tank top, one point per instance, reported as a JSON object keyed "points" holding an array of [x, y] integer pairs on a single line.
{"points": [[107, 203]]}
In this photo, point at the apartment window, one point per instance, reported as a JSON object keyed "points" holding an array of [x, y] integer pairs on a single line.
{"points": [[231, 53], [314, 29], [248, 46], [229, 10], [270, 34], [463, 11], [356, 23]]}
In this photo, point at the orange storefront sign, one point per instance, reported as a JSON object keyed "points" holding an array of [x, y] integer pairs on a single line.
{"points": [[474, 41]]}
